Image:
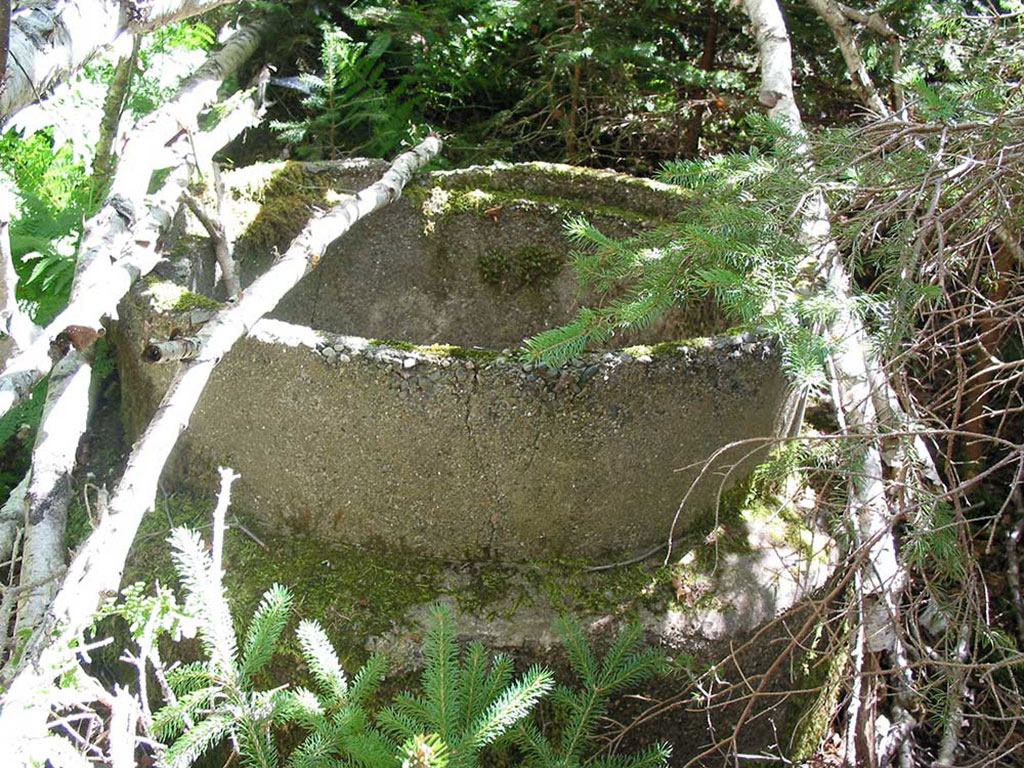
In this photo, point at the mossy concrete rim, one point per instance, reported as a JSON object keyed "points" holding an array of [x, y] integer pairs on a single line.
{"points": [[559, 181], [696, 350]]}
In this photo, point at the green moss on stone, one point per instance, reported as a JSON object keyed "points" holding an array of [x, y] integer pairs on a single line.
{"points": [[821, 677], [437, 204], [403, 346], [528, 267], [438, 351], [189, 301], [288, 200]]}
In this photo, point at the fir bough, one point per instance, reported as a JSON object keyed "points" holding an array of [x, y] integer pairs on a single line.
{"points": [[214, 699], [738, 246], [579, 710], [468, 701]]}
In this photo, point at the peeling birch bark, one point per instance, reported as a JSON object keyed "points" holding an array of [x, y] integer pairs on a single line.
{"points": [[49, 41], [108, 235], [97, 569], [183, 348], [18, 327], [863, 86], [65, 416], [856, 375], [12, 519]]}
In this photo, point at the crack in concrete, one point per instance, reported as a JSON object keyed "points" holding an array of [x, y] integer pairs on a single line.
{"points": [[533, 450], [315, 304], [488, 478]]}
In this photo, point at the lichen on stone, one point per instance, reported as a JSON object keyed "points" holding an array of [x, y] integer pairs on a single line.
{"points": [[166, 296]]}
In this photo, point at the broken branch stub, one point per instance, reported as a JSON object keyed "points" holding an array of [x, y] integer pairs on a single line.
{"points": [[181, 348], [96, 570]]}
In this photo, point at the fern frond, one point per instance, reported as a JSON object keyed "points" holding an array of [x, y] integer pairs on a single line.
{"points": [[264, 631], [322, 660]]}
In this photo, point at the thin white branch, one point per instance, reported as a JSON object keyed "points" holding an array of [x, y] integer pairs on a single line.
{"points": [[227, 477], [214, 226], [96, 570], [107, 254]]}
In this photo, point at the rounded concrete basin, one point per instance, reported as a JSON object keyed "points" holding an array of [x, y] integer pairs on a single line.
{"points": [[382, 404]]}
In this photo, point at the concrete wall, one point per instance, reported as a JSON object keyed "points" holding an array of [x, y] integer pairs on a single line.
{"points": [[456, 452]]}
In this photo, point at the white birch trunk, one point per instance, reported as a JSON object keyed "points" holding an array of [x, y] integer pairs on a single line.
{"points": [[65, 416], [856, 68], [51, 40], [96, 570], [854, 370], [108, 237]]}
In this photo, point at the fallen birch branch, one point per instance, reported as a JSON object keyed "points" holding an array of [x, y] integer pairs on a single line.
{"points": [[864, 406], [139, 261], [96, 571], [107, 236], [66, 411]]}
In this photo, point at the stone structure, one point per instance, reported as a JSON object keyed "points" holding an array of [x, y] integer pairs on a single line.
{"points": [[404, 418], [384, 404]]}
